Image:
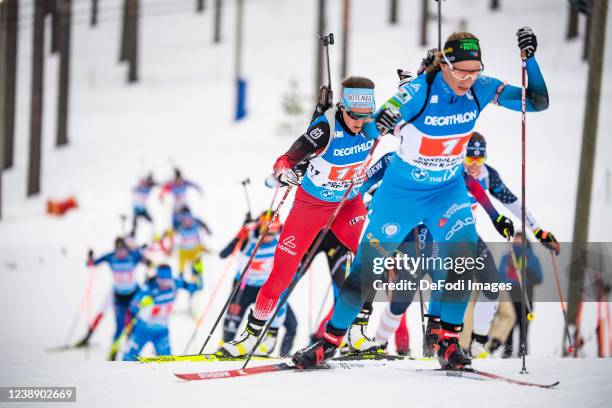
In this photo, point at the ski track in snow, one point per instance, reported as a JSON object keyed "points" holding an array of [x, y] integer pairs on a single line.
{"points": [[181, 113], [584, 382]]}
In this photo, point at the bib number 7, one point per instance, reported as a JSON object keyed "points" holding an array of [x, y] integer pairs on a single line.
{"points": [[449, 146], [345, 173]]}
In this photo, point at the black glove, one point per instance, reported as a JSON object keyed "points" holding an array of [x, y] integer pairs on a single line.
{"points": [[504, 226], [548, 240], [527, 41], [405, 76], [386, 120]]}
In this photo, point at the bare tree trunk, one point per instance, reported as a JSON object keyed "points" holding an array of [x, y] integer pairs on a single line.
{"points": [[132, 39], [424, 21], [217, 23], [123, 53], [200, 5], [572, 23], [393, 11], [51, 10], [94, 13], [65, 12], [318, 49], [587, 37], [11, 7], [599, 12], [3, 34], [38, 60], [346, 9]]}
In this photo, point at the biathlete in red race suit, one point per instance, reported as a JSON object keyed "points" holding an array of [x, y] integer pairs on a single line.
{"points": [[335, 157]]}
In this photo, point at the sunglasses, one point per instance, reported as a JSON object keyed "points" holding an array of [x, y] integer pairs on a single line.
{"points": [[356, 115], [471, 160], [463, 74]]}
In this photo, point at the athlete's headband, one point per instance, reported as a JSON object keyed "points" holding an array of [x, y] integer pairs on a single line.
{"points": [[358, 98], [463, 49]]}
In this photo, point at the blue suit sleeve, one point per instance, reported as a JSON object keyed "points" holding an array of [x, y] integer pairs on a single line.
{"points": [[509, 96], [203, 225], [103, 258], [195, 186], [375, 173], [189, 286]]}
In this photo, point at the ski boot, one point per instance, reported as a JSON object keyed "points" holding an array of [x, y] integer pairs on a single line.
{"points": [[404, 352], [495, 345], [478, 346], [357, 339], [432, 336], [266, 347], [450, 354], [320, 351], [245, 342]]}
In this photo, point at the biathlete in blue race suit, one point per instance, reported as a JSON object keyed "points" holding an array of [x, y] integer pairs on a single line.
{"points": [[436, 114], [152, 306]]}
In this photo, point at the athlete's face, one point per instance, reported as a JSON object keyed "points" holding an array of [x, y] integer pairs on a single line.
{"points": [[460, 76], [187, 221], [121, 253], [165, 283], [473, 166], [355, 125]]}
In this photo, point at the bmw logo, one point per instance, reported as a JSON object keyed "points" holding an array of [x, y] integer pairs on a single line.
{"points": [[419, 174], [390, 229]]}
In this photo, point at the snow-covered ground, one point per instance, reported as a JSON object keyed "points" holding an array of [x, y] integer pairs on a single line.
{"points": [[181, 114]]}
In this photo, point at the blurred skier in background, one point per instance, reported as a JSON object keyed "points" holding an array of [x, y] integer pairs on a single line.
{"points": [[261, 266], [486, 306], [178, 188], [152, 306], [140, 197], [123, 262], [509, 269]]}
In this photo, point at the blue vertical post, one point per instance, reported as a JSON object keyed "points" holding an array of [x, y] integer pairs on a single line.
{"points": [[241, 83], [241, 91]]}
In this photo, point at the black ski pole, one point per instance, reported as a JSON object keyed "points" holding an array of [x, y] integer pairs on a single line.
{"points": [[523, 339], [245, 183], [326, 95], [420, 293], [306, 262], [439, 25], [247, 266]]}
